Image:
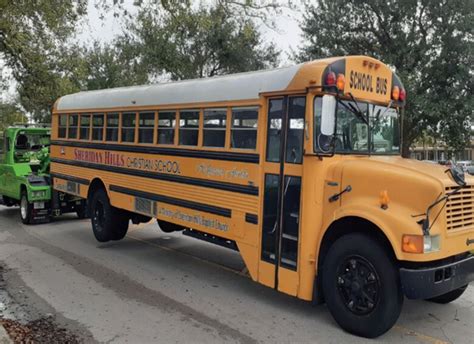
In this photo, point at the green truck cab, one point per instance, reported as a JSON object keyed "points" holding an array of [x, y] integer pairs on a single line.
{"points": [[25, 179]]}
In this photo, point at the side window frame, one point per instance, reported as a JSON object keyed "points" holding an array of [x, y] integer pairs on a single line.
{"points": [[211, 130], [234, 129]]}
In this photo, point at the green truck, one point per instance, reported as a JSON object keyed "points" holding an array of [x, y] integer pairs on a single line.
{"points": [[25, 178]]}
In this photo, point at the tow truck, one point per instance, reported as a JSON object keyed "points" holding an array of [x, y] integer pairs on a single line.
{"points": [[25, 178]]}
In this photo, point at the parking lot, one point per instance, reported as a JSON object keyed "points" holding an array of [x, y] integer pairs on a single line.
{"points": [[153, 287]]}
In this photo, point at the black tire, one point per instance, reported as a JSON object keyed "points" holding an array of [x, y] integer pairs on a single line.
{"points": [[169, 227], [450, 296], [26, 209], [361, 286], [108, 222], [9, 202]]}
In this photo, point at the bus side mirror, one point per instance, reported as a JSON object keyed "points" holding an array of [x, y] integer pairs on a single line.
{"points": [[328, 115]]}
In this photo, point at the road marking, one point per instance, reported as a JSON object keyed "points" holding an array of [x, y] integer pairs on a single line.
{"points": [[420, 336], [240, 273]]}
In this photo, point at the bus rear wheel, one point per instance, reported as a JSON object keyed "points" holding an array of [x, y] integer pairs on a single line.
{"points": [[108, 222], [361, 286]]}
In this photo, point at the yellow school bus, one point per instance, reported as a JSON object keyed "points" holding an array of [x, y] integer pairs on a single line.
{"points": [[297, 168]]}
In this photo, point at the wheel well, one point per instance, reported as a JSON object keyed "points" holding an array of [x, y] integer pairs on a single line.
{"points": [[338, 229], [23, 188]]}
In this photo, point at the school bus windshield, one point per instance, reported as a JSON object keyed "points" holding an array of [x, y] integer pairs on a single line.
{"points": [[377, 132]]}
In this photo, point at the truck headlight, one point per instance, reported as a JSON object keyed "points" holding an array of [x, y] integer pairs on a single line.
{"points": [[38, 194], [420, 243]]}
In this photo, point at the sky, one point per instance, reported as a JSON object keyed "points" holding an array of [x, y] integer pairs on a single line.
{"points": [[286, 36]]}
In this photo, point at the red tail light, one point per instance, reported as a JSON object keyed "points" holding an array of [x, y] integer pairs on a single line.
{"points": [[331, 79], [403, 95]]}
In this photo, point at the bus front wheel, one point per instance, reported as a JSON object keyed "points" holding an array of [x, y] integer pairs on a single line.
{"points": [[361, 286], [108, 222]]}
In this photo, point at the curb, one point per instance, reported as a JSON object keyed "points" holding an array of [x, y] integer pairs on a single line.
{"points": [[4, 338]]}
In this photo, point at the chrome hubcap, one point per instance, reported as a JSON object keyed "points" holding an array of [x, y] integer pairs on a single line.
{"points": [[23, 207]]}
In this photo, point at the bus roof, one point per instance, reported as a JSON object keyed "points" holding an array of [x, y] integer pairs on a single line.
{"points": [[234, 87]]}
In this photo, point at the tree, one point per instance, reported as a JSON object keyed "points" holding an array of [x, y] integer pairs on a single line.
{"points": [[33, 36], [190, 43], [108, 65], [429, 43], [10, 114]]}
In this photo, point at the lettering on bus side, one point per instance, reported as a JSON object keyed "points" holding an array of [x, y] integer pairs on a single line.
{"points": [[122, 160], [212, 171], [192, 218], [364, 82]]}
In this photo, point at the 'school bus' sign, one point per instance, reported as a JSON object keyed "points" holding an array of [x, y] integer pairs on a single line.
{"points": [[367, 80]]}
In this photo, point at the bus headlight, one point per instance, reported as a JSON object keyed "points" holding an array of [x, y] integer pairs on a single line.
{"points": [[420, 243]]}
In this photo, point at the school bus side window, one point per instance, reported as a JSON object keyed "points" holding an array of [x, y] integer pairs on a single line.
{"points": [[72, 127], [214, 127], [128, 127], [189, 127], [244, 128], [98, 127], [146, 126], [166, 127], [62, 127], [112, 128], [85, 127]]}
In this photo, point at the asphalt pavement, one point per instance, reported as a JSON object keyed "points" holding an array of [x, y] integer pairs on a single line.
{"points": [[155, 287]]}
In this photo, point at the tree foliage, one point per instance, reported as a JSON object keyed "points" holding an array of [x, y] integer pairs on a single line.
{"points": [[108, 65], [190, 43], [32, 39], [429, 43], [10, 114], [167, 37]]}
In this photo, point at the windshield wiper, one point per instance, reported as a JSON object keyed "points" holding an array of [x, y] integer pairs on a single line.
{"points": [[356, 111]]}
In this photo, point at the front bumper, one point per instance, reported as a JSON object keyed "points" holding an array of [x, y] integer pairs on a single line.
{"points": [[425, 283]]}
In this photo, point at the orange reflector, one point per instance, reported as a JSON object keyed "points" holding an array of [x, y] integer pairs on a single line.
{"points": [[341, 80], [395, 93], [384, 199], [413, 243]]}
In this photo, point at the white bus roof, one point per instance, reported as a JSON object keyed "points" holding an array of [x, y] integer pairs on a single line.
{"points": [[241, 86]]}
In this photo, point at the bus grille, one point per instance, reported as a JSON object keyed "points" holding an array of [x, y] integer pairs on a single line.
{"points": [[460, 209]]}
